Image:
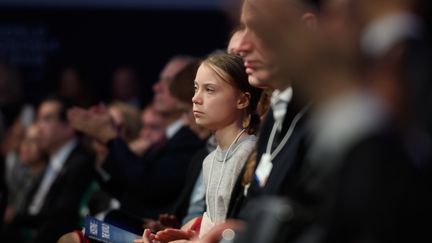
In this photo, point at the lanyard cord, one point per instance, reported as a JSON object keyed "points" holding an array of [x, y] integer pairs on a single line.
{"points": [[222, 172], [287, 135]]}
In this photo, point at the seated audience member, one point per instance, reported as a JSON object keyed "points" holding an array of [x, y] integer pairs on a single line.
{"points": [[16, 171], [152, 130], [191, 202], [381, 193], [234, 42], [282, 143], [73, 86], [125, 87], [34, 162], [225, 103], [160, 172], [192, 199], [127, 120], [51, 207], [354, 171]]}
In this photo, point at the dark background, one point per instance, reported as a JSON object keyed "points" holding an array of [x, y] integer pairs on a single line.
{"points": [[41, 41]]}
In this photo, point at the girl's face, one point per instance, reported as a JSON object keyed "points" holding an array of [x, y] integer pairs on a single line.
{"points": [[216, 103]]}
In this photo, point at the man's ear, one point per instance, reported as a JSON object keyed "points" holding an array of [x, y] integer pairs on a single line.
{"points": [[310, 20], [243, 100]]}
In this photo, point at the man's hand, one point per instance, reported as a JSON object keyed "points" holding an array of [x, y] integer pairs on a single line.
{"points": [[147, 237], [95, 123], [139, 146]]}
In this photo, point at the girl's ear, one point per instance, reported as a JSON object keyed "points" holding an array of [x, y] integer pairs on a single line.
{"points": [[243, 100]]}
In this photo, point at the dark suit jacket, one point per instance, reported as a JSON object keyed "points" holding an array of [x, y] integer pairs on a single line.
{"points": [[285, 164], [379, 196], [288, 159], [182, 205], [383, 188], [152, 183], [59, 213]]}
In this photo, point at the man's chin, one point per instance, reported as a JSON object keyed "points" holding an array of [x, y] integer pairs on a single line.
{"points": [[256, 82]]}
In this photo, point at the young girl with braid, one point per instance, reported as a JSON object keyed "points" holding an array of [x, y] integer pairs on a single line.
{"points": [[225, 103]]}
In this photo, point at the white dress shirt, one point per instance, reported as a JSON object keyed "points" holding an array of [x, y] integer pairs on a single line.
{"points": [[279, 102], [174, 128]]}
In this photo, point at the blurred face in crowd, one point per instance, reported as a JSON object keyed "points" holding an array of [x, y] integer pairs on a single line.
{"points": [[163, 100], [152, 125], [215, 103], [70, 83], [234, 43], [53, 132], [257, 57], [124, 84], [30, 150]]}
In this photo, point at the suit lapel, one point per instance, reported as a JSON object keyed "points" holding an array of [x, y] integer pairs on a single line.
{"points": [[264, 134], [286, 159]]}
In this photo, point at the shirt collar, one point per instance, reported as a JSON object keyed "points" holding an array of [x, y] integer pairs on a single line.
{"points": [[58, 159], [173, 128], [284, 95], [279, 102]]}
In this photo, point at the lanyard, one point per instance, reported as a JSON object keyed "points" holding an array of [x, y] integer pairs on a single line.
{"points": [[287, 135], [265, 166]]}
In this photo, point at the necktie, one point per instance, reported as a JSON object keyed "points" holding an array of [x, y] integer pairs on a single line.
{"points": [[279, 110], [279, 103]]}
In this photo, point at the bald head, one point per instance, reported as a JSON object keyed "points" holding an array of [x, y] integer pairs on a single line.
{"points": [[234, 43], [163, 99]]}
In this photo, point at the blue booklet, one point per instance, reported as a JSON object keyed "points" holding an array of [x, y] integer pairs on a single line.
{"points": [[104, 232]]}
